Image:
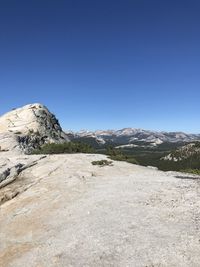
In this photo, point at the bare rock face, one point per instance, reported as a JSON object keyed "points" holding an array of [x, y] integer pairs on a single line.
{"points": [[62, 210], [29, 127]]}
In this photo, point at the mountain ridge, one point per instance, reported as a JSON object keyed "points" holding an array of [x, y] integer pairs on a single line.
{"points": [[127, 136]]}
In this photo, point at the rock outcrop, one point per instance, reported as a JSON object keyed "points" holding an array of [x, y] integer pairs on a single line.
{"points": [[29, 127], [11, 169]]}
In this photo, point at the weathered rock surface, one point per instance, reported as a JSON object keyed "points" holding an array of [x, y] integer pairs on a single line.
{"points": [[70, 213], [29, 127], [10, 168]]}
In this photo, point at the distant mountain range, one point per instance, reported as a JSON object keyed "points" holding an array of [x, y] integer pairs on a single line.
{"points": [[131, 136]]}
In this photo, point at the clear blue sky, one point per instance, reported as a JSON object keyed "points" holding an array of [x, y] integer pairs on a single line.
{"points": [[103, 64]]}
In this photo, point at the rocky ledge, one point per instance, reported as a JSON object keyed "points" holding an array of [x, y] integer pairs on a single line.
{"points": [[64, 211]]}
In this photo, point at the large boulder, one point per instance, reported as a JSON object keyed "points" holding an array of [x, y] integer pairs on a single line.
{"points": [[29, 127]]}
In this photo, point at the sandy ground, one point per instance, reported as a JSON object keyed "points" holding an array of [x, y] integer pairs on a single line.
{"points": [[70, 213]]}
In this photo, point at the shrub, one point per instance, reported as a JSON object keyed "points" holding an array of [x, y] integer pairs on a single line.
{"points": [[117, 154], [102, 162], [132, 160], [111, 151], [192, 171]]}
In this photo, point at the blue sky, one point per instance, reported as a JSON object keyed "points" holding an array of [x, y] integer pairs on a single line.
{"points": [[103, 64]]}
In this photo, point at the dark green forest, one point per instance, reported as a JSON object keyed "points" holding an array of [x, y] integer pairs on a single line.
{"points": [[143, 155]]}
